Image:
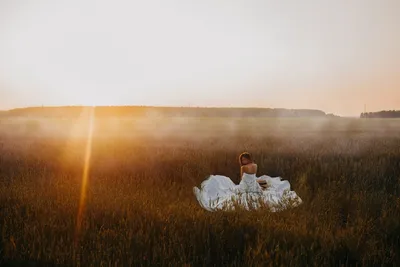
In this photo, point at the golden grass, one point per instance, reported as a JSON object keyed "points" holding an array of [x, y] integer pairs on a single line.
{"points": [[140, 209]]}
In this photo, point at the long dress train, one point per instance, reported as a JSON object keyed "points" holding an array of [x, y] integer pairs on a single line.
{"points": [[221, 193]]}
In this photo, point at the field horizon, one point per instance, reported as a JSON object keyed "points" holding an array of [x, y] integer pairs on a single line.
{"points": [[181, 111]]}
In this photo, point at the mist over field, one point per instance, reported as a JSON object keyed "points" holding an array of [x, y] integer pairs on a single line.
{"points": [[167, 121]]}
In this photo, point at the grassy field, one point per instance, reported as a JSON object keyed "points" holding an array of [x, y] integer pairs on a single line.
{"points": [[139, 209]]}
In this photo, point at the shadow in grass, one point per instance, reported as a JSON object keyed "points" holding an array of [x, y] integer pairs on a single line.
{"points": [[26, 263]]}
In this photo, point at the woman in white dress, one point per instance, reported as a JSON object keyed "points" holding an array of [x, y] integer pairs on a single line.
{"points": [[220, 193]]}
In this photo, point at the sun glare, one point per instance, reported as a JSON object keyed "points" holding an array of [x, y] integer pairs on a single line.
{"points": [[85, 174]]}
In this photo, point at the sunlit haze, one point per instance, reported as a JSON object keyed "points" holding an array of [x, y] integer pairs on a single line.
{"points": [[330, 55]]}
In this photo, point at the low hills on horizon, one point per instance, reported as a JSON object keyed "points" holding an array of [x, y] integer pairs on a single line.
{"points": [[153, 111], [157, 111]]}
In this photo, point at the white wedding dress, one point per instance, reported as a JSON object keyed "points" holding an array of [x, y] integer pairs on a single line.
{"points": [[220, 193]]}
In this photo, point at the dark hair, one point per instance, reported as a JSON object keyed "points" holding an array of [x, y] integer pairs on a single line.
{"points": [[245, 155]]}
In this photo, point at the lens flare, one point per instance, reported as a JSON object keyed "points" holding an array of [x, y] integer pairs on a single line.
{"points": [[85, 175]]}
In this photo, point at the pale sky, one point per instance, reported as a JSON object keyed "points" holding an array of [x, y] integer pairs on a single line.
{"points": [[332, 55]]}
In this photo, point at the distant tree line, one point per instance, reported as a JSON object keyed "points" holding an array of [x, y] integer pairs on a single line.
{"points": [[144, 111], [381, 114]]}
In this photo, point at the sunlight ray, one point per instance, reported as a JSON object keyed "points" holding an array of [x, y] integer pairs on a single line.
{"points": [[85, 174]]}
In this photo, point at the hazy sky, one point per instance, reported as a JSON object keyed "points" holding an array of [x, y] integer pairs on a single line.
{"points": [[332, 55]]}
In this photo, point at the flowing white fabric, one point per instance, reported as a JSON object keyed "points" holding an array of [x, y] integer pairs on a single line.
{"points": [[220, 193]]}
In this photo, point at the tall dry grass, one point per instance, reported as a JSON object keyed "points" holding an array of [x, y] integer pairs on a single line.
{"points": [[140, 209]]}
